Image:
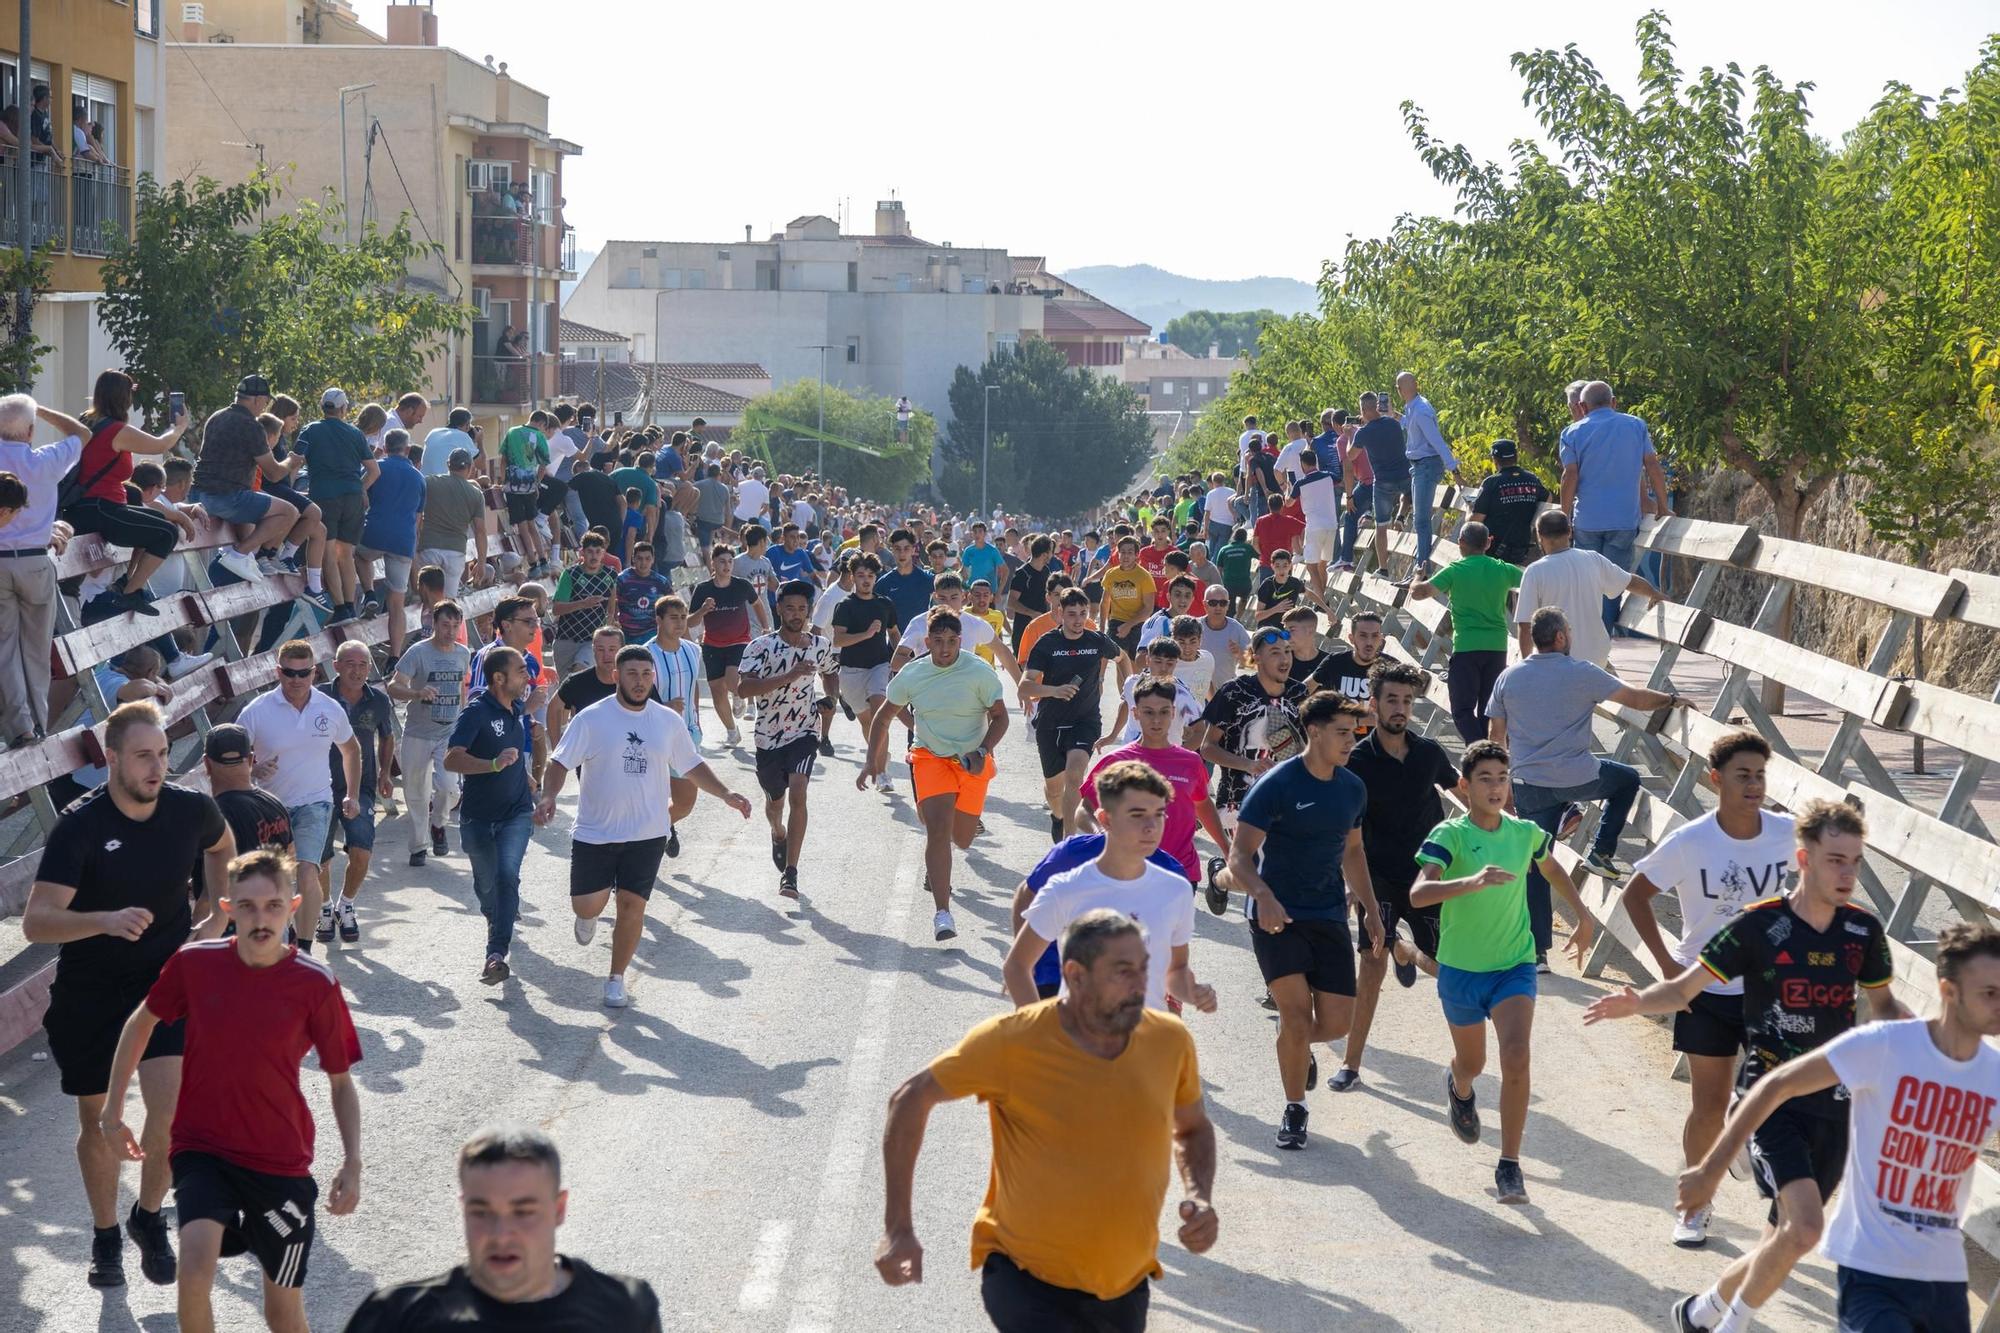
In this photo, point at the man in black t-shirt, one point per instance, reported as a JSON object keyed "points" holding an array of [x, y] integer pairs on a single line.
{"points": [[256, 818], [1240, 714], [598, 494], [1308, 652], [1028, 586], [112, 890], [1346, 672], [863, 632], [1065, 671], [1282, 591], [1507, 503], [512, 1277]]}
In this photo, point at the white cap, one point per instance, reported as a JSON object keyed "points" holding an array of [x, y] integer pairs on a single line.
{"points": [[335, 397]]}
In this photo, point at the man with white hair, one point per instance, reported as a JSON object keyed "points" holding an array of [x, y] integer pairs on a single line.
{"points": [[27, 574], [1573, 393], [1608, 461]]}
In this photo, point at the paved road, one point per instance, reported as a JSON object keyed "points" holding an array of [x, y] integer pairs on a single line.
{"points": [[722, 1134]]}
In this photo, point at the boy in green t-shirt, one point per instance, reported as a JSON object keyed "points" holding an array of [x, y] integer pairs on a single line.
{"points": [[1477, 586], [524, 459], [1486, 949], [1237, 559]]}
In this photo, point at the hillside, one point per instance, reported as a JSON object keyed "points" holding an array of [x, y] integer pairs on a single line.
{"points": [[1156, 296]]}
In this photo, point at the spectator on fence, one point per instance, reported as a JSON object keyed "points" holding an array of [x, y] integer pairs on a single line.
{"points": [[431, 677], [304, 547], [389, 532], [234, 451], [1357, 480], [454, 513], [296, 730], [1573, 396], [408, 414], [342, 467], [1476, 586], [442, 442], [1541, 710], [1507, 503], [27, 573], [1608, 459], [1430, 458], [1574, 581], [598, 495], [104, 506]]}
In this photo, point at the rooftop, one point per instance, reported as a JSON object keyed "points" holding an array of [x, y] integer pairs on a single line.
{"points": [[573, 332]]}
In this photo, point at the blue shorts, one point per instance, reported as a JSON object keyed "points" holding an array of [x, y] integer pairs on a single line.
{"points": [[359, 831], [1871, 1303], [1384, 494], [1469, 998], [312, 826], [244, 506]]}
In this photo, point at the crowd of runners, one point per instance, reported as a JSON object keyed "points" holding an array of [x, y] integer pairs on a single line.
{"points": [[1261, 755]]}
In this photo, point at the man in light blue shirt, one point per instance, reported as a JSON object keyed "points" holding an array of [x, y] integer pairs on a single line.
{"points": [[1608, 461], [980, 558], [440, 442], [1430, 458], [27, 574]]}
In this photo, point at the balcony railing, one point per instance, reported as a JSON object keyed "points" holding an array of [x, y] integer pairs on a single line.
{"points": [[569, 249], [47, 203], [520, 380], [73, 206], [100, 206]]}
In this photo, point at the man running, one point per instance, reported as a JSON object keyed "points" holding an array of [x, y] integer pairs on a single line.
{"points": [[1065, 856], [1128, 597], [1157, 710], [953, 700], [980, 635], [861, 633], [372, 718], [1297, 858], [1135, 801], [596, 679], [1088, 1095], [1346, 672], [721, 607], [584, 599], [1402, 772], [431, 679], [512, 1200], [1240, 717], [677, 673], [256, 818], [1160, 664], [1922, 1097], [781, 671], [112, 891], [489, 748], [620, 745], [1064, 674], [1737, 854], [1486, 947], [1804, 957], [242, 1145]]}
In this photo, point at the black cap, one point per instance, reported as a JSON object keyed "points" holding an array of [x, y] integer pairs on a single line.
{"points": [[253, 386], [228, 743], [1504, 449]]}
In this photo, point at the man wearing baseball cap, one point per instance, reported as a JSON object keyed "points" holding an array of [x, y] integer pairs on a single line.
{"points": [[1507, 503], [341, 468], [233, 450], [256, 817]]}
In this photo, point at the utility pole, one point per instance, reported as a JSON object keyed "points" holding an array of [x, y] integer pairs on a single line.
{"points": [[985, 436], [346, 217], [23, 185], [822, 349]]}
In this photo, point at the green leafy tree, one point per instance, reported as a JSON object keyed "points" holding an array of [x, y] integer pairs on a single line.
{"points": [[1228, 332], [1063, 439], [779, 427], [24, 280]]}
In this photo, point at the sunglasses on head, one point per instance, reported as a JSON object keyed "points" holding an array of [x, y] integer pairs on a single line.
{"points": [[298, 673], [1266, 636]]}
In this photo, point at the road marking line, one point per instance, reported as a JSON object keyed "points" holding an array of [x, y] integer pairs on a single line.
{"points": [[767, 1265]]}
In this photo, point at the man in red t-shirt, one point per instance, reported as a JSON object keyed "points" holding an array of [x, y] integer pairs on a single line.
{"points": [[1152, 557], [242, 1144], [1280, 530]]}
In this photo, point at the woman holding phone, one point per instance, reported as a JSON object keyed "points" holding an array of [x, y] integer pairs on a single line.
{"points": [[105, 507]]}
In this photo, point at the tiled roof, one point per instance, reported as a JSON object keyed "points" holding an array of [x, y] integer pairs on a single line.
{"points": [[715, 370], [573, 332], [1091, 316], [678, 395], [625, 383]]}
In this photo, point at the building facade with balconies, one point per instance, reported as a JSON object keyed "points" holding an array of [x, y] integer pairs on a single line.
{"points": [[104, 65], [458, 143]]}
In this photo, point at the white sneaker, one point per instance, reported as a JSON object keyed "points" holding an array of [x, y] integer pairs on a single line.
{"points": [[324, 931], [242, 566], [886, 785], [942, 923], [614, 993], [1691, 1229], [586, 929], [188, 663], [733, 739]]}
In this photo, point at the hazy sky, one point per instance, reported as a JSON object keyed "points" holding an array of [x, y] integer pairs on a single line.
{"points": [[1215, 140]]}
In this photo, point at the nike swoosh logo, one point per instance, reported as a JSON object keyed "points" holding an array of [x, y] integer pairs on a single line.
{"points": [[1304, 806]]}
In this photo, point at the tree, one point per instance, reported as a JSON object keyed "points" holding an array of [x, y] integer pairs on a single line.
{"points": [[1229, 333], [24, 280], [202, 292], [1062, 438], [779, 426]]}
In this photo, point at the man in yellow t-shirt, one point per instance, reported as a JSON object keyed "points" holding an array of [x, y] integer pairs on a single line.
{"points": [[982, 607], [1129, 597], [1090, 1095]]}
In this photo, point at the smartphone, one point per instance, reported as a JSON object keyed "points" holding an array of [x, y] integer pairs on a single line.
{"points": [[617, 418], [176, 406]]}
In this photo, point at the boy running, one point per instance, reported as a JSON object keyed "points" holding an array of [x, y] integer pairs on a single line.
{"points": [[780, 672]]}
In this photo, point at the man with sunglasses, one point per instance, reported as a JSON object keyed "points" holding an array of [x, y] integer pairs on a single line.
{"points": [[1222, 635], [514, 626], [295, 729]]}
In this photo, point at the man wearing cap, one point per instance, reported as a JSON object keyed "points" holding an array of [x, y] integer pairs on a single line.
{"points": [[441, 442], [257, 818], [341, 468], [27, 574], [453, 510], [234, 449], [1507, 503]]}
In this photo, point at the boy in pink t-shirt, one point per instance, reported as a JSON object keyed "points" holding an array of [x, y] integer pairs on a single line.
{"points": [[1153, 707]]}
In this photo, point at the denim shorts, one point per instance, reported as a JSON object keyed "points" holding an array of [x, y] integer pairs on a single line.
{"points": [[1385, 494], [244, 506], [312, 826], [359, 831], [1469, 998]]}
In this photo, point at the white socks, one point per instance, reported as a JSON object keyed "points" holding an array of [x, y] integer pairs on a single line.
{"points": [[1738, 1319], [314, 581]]}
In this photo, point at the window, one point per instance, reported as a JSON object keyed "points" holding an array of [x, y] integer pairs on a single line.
{"points": [[670, 278], [853, 350], [95, 99], [1166, 388], [853, 276], [902, 282], [697, 278], [146, 17], [194, 13], [482, 301], [1006, 342], [650, 252], [1201, 389], [481, 176], [630, 278], [542, 187]]}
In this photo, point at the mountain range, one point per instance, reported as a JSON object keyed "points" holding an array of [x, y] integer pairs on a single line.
{"points": [[1157, 296]]}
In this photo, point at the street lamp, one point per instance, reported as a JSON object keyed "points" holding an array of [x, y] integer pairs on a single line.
{"points": [[822, 349], [985, 421], [347, 219]]}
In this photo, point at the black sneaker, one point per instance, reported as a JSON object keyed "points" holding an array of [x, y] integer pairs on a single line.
{"points": [[438, 847], [417, 859], [107, 1258], [788, 882], [1055, 828], [1464, 1114], [1269, 1003], [845, 709], [156, 1252], [1343, 1080], [1507, 1182], [1312, 1071], [1406, 973], [1292, 1128], [1212, 893], [826, 749], [673, 842], [350, 929], [495, 971], [778, 853], [1683, 1318]]}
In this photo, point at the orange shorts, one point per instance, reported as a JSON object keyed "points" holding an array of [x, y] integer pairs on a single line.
{"points": [[937, 776]]}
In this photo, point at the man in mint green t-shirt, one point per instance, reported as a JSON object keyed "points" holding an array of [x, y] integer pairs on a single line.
{"points": [[524, 460], [1476, 867], [1476, 586]]}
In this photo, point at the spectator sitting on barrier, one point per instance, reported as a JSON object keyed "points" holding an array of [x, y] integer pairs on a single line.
{"points": [[104, 507], [1574, 580], [389, 531], [27, 574], [307, 537], [1541, 710], [233, 448]]}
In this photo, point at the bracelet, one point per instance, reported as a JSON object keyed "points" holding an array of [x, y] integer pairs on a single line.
{"points": [[496, 764]]}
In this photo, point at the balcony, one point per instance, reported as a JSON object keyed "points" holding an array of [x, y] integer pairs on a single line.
{"points": [[509, 232], [520, 381], [569, 251], [100, 207], [72, 206]]}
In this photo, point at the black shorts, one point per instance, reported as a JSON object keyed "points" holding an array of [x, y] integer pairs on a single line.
{"points": [[1393, 902], [718, 660], [1872, 1303], [1019, 1302], [265, 1215], [1800, 1143], [1710, 1025], [1055, 741], [1048, 990], [1320, 951], [521, 508], [550, 499], [284, 490], [84, 1023], [343, 515], [776, 768], [1127, 638], [629, 867]]}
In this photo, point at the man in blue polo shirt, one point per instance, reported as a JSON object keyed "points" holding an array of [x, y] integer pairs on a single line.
{"points": [[490, 748], [1607, 457], [908, 585], [981, 559]]}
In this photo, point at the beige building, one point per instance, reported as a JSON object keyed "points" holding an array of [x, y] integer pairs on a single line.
{"points": [[1177, 386], [394, 125]]}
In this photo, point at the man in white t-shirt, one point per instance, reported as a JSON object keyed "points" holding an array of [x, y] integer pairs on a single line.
{"points": [[975, 633], [623, 748], [1291, 464], [753, 498], [1578, 582], [1161, 661], [1716, 866], [1923, 1100], [1133, 798], [1319, 495], [1217, 508], [1197, 666]]}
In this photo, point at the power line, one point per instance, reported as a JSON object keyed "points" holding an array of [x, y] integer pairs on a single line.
{"points": [[195, 65]]}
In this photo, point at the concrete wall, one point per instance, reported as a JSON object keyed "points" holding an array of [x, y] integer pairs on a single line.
{"points": [[283, 22]]}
